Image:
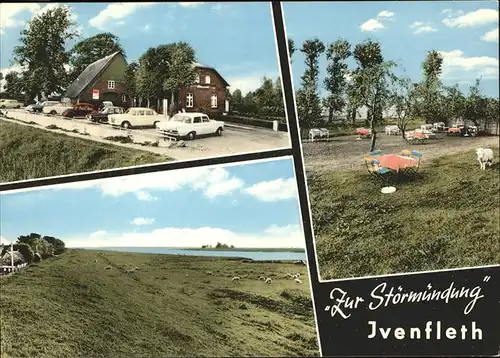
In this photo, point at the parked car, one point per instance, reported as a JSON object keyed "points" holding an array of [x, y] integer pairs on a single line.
{"points": [[135, 117], [107, 104], [38, 107], [10, 103], [57, 108], [102, 115], [190, 125], [79, 110]]}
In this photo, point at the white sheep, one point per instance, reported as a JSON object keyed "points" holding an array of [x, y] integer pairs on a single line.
{"points": [[298, 280], [268, 280], [95, 260], [130, 270], [236, 278], [484, 156], [262, 278], [209, 273]]}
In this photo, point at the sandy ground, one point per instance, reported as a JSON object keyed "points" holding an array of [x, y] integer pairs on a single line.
{"points": [[236, 139], [345, 153]]}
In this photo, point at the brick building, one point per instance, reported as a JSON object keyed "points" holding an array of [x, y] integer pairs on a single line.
{"points": [[103, 80]]}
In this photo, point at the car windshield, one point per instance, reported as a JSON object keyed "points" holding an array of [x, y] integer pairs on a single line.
{"points": [[181, 118]]}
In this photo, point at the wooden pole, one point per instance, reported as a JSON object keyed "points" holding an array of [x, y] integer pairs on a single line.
{"points": [[12, 256]]}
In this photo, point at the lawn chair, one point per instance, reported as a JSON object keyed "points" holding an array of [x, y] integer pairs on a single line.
{"points": [[374, 168], [375, 152], [406, 153], [417, 156]]}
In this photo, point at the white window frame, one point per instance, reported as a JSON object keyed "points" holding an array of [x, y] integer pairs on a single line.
{"points": [[124, 98], [207, 79], [213, 101], [198, 78], [111, 84], [189, 100]]}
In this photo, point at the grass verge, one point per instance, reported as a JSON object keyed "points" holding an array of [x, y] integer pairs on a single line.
{"points": [[72, 306], [29, 153], [447, 218]]}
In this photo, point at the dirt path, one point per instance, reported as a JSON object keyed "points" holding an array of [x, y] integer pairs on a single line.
{"points": [[346, 153]]}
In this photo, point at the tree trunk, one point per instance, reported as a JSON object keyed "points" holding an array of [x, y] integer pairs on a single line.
{"points": [[374, 133], [330, 115]]}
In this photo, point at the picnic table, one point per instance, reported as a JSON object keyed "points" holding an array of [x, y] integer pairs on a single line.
{"points": [[396, 162], [362, 131]]}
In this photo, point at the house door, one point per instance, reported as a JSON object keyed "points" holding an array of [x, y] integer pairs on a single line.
{"points": [[113, 97]]}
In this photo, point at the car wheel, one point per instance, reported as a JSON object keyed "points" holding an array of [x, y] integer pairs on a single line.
{"points": [[18, 107], [219, 131], [126, 125], [53, 113], [155, 123], [3, 107], [191, 135]]}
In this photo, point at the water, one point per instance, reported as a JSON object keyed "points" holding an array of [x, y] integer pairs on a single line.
{"points": [[253, 255]]}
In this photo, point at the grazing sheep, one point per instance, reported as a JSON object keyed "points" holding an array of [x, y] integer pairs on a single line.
{"points": [[298, 280], [95, 260], [262, 278], [297, 275], [319, 133], [209, 273], [107, 268], [268, 280], [236, 278], [132, 270], [484, 156]]}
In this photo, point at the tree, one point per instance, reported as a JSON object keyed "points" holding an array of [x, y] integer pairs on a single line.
{"points": [[236, 100], [92, 49], [147, 79], [308, 99], [336, 81], [403, 100], [453, 103], [475, 104], [24, 249], [57, 245], [42, 53], [430, 88], [372, 79], [180, 72], [14, 84], [291, 49], [130, 81], [492, 113]]}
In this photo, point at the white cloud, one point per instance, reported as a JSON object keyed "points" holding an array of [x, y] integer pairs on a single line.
{"points": [[275, 190], [473, 19], [190, 4], [385, 13], [420, 27], [4, 241], [491, 36], [146, 28], [220, 6], [9, 12], [212, 181], [115, 12], [273, 237], [143, 221], [249, 82], [371, 25], [458, 66]]}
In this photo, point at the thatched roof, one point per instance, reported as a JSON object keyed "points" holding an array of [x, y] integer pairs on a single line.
{"points": [[6, 260], [88, 75]]}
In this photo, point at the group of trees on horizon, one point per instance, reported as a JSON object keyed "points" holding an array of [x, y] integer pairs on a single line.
{"points": [[374, 85], [46, 67], [32, 245], [218, 246]]}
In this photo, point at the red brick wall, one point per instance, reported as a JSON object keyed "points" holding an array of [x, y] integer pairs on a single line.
{"points": [[202, 97]]}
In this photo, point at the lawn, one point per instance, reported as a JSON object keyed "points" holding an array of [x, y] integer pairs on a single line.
{"points": [[29, 153], [447, 218], [71, 306]]}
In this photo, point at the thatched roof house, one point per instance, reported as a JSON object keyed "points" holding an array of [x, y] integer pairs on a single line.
{"points": [[6, 259]]}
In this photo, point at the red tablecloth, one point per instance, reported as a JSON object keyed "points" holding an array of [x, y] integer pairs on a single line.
{"points": [[396, 162], [362, 131], [454, 130]]}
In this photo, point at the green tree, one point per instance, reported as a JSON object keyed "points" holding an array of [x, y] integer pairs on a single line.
{"points": [[403, 100], [336, 80], [148, 82], [92, 49], [430, 88], [42, 53], [475, 104], [372, 79], [180, 72], [57, 245], [453, 103], [492, 113], [308, 99], [130, 81], [14, 84], [236, 101], [291, 49]]}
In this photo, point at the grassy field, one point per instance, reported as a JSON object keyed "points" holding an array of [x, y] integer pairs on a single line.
{"points": [[447, 218], [72, 306], [29, 153]]}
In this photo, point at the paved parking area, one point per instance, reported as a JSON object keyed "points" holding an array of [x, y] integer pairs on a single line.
{"points": [[236, 139]]}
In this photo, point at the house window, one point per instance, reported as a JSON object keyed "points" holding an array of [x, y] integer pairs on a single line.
{"points": [[198, 78], [189, 100], [111, 84], [214, 101], [207, 79], [124, 98]]}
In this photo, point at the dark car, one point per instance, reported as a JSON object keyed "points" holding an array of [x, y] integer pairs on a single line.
{"points": [[79, 110], [101, 116]]}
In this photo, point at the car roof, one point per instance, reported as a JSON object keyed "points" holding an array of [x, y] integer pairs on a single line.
{"points": [[193, 114], [141, 108]]}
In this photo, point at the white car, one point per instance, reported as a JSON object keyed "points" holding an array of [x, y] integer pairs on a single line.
{"points": [[56, 108], [189, 125], [10, 103], [135, 117]]}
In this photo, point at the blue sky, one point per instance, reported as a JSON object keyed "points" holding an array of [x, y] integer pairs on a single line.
{"points": [[236, 38], [246, 205], [466, 32]]}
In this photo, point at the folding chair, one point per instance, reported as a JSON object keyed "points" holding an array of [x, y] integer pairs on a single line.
{"points": [[406, 153], [417, 156], [375, 152], [380, 172]]}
